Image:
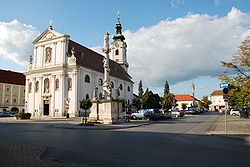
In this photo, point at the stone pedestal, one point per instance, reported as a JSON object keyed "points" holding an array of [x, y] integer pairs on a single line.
{"points": [[107, 112]]}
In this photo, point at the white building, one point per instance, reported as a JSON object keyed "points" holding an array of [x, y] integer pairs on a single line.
{"points": [[64, 72], [217, 100], [187, 99]]}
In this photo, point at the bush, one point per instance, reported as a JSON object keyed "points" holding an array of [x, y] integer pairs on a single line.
{"points": [[23, 115]]}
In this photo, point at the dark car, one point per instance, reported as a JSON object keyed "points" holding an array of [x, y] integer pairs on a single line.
{"points": [[3, 114], [244, 112], [152, 114]]}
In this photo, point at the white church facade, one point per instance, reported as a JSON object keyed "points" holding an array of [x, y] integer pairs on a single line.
{"points": [[63, 72]]}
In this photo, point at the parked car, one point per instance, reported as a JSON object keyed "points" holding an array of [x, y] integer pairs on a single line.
{"points": [[3, 114], [165, 114], [153, 114], [234, 111], [177, 113], [139, 114], [244, 112], [128, 115]]}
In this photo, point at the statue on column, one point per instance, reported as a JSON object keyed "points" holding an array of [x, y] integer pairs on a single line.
{"points": [[106, 87]]}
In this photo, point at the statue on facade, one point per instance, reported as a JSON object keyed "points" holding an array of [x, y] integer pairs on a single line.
{"points": [[95, 93]]}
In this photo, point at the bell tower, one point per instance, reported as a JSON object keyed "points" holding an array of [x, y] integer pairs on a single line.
{"points": [[119, 46]]}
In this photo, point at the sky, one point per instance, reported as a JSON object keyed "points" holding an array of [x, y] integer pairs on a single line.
{"points": [[179, 41]]}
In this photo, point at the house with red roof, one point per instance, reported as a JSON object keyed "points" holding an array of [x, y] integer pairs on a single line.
{"points": [[12, 91], [187, 99], [218, 103]]}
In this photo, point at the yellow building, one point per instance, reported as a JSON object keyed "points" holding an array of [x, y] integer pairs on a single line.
{"points": [[12, 91]]}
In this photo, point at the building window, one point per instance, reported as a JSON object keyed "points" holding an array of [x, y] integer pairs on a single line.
{"points": [[112, 84], [46, 85], [48, 53], [7, 99], [87, 96], [7, 89], [57, 84], [116, 52], [30, 87], [100, 82], [69, 84], [87, 79], [100, 96], [120, 87], [128, 89], [14, 99], [37, 86]]}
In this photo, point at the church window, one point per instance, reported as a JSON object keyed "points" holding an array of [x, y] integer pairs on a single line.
{"points": [[14, 99], [87, 96], [87, 79], [69, 84], [37, 86], [100, 82], [30, 87], [112, 84], [128, 89], [48, 54], [57, 84], [120, 87], [46, 85], [116, 52], [7, 89], [100, 96], [128, 102]]}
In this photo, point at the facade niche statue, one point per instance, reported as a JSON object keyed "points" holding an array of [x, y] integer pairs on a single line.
{"points": [[48, 54]]}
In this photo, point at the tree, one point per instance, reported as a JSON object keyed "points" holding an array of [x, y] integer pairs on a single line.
{"points": [[238, 76], [167, 101], [206, 102], [140, 89], [183, 106], [85, 104], [166, 88], [151, 100], [136, 103]]}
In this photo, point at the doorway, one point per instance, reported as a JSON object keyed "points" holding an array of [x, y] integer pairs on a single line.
{"points": [[46, 107]]}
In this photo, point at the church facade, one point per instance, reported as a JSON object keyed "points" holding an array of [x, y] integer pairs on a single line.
{"points": [[63, 72]]}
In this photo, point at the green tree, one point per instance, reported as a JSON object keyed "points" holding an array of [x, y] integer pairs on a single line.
{"points": [[167, 101], [206, 102], [85, 104], [136, 103], [140, 89], [183, 106], [238, 75], [166, 88], [151, 100]]}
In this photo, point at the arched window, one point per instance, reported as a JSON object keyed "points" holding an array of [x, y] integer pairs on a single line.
{"points": [[116, 52], [30, 87], [112, 84], [69, 84], [120, 87], [100, 96], [57, 84], [46, 85], [37, 86], [87, 79], [128, 89], [100, 82], [87, 96], [48, 54], [128, 102]]}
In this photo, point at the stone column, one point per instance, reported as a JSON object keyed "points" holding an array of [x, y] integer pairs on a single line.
{"points": [[62, 89], [52, 113], [33, 95]]}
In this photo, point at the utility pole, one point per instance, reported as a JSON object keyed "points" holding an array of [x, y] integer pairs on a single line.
{"points": [[193, 89]]}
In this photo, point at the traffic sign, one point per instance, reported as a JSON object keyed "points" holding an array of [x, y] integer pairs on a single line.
{"points": [[224, 85], [66, 106]]}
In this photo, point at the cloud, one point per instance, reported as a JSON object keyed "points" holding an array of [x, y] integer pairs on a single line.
{"points": [[217, 2], [185, 48], [15, 41], [176, 3]]}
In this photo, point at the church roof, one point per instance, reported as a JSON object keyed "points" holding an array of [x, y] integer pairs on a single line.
{"points": [[183, 97], [12, 77], [217, 93], [90, 59]]}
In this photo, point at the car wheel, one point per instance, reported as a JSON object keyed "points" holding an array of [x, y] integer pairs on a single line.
{"points": [[176, 116], [133, 117], [233, 114]]}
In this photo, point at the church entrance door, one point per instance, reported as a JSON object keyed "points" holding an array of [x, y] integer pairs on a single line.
{"points": [[46, 107]]}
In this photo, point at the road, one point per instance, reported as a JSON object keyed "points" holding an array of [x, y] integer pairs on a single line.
{"points": [[169, 143]]}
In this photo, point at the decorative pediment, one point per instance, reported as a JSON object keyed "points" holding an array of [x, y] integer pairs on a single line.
{"points": [[48, 34]]}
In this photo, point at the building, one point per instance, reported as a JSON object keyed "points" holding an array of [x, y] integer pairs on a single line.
{"points": [[185, 99], [12, 91], [63, 72], [218, 103]]}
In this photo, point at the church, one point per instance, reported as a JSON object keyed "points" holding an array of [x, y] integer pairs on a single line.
{"points": [[62, 72]]}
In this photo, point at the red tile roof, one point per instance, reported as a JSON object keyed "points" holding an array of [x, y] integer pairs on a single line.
{"points": [[217, 92], [12, 77], [88, 58], [183, 97]]}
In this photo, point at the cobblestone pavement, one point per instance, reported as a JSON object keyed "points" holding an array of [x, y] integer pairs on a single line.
{"points": [[236, 127], [15, 154]]}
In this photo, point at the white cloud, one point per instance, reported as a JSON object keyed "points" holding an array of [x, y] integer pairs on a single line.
{"points": [[184, 48], [176, 3], [15, 41]]}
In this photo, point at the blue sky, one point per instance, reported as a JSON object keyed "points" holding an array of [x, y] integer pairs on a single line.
{"points": [[155, 32]]}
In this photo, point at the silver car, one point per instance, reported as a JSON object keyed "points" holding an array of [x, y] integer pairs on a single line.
{"points": [[235, 111], [139, 114]]}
